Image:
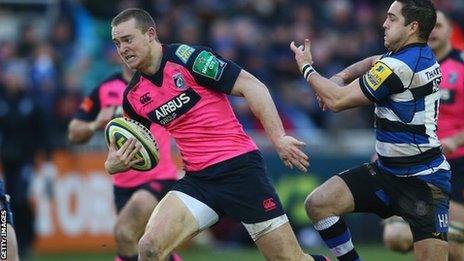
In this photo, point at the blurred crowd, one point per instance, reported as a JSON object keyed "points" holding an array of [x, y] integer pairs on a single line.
{"points": [[59, 59]]}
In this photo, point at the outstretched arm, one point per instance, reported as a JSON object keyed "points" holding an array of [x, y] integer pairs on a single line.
{"points": [[262, 105], [335, 98], [355, 70], [80, 131]]}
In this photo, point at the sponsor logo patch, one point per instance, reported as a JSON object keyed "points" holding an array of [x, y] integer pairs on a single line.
{"points": [[175, 107], [208, 65], [377, 75], [184, 52]]}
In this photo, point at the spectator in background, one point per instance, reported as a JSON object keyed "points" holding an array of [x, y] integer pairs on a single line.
{"points": [[22, 133]]}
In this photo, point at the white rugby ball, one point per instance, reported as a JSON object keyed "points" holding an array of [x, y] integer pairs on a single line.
{"points": [[121, 129]]}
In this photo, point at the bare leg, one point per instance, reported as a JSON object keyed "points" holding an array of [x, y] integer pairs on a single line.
{"points": [[170, 224], [12, 254], [397, 235], [456, 252], [281, 244], [431, 250], [131, 222]]}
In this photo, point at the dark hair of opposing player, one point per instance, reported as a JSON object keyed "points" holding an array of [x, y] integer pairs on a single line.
{"points": [[142, 17], [422, 11]]}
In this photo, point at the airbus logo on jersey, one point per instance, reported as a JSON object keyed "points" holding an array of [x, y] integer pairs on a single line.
{"points": [[175, 107]]}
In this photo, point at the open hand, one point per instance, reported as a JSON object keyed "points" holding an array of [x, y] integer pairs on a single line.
{"points": [[290, 153], [302, 53]]}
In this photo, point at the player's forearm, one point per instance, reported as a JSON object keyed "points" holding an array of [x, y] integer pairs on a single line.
{"points": [[263, 107], [355, 70], [81, 132], [328, 91]]}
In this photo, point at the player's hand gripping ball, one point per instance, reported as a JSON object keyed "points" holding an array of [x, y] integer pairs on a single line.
{"points": [[121, 129]]}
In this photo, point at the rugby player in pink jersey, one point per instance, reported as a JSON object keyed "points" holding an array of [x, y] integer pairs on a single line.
{"points": [[184, 89], [136, 193], [397, 234]]}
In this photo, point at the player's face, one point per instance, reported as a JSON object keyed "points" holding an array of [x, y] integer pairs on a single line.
{"points": [[132, 45], [396, 33], [440, 34]]}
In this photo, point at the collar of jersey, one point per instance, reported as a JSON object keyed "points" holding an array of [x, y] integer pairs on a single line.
{"points": [[157, 78], [411, 45]]}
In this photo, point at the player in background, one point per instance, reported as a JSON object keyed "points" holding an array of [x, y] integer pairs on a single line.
{"points": [[397, 234], [411, 177], [136, 193], [225, 172]]}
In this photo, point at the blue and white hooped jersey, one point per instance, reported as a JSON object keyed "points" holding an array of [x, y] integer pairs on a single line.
{"points": [[405, 89]]}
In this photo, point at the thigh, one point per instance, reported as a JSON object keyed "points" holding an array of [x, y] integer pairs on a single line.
{"points": [[12, 248], [368, 190], [136, 212], [456, 212], [431, 250], [424, 206], [171, 223], [280, 244]]}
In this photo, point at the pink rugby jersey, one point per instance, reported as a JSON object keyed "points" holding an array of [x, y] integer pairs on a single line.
{"points": [[187, 96], [110, 93], [451, 117]]}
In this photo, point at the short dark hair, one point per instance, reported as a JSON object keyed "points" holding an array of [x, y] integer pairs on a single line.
{"points": [[422, 11], [142, 18]]}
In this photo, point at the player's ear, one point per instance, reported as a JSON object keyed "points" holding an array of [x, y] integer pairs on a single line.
{"points": [[152, 35], [414, 27]]}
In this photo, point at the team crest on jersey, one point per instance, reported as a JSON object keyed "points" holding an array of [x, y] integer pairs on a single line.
{"points": [[453, 78], [377, 75], [184, 52], [179, 81]]}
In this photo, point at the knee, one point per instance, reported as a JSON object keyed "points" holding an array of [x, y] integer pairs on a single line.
{"points": [[123, 235], [314, 205], [397, 241], [150, 248]]}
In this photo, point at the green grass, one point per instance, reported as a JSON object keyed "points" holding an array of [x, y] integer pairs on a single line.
{"points": [[367, 252]]}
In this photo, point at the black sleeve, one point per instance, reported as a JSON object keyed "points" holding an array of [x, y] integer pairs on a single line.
{"points": [[90, 106], [208, 68]]}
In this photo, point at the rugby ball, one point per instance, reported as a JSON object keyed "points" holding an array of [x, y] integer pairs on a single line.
{"points": [[121, 129]]}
